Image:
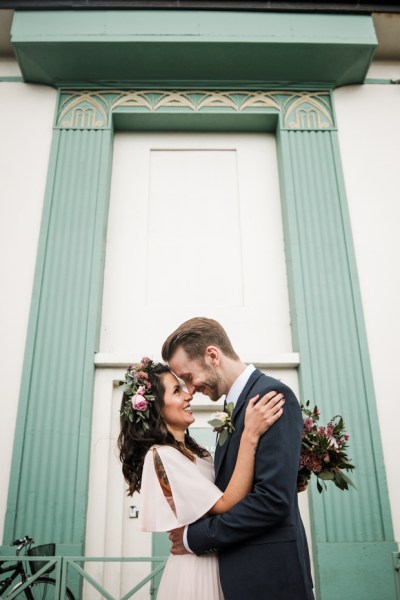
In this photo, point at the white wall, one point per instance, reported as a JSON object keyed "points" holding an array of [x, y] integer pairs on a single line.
{"points": [[368, 119], [26, 119]]}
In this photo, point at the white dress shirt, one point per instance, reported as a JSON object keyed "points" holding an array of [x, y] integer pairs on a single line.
{"points": [[239, 384], [232, 396]]}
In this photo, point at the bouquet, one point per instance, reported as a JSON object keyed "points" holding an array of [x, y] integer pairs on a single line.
{"points": [[324, 451]]}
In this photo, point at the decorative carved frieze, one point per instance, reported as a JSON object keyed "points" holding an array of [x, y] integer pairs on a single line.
{"points": [[86, 109]]}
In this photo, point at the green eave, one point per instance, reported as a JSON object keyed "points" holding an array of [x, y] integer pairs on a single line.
{"points": [[192, 48]]}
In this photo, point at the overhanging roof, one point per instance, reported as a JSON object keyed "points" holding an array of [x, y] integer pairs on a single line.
{"points": [[186, 48], [344, 6]]}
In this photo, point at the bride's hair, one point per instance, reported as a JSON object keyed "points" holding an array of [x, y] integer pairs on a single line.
{"points": [[134, 440]]}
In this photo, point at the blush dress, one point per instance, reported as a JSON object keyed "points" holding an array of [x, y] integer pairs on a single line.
{"points": [[185, 577]]}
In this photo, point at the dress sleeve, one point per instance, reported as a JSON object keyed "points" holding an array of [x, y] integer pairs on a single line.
{"points": [[192, 492]]}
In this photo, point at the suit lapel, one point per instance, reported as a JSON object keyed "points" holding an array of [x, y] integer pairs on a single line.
{"points": [[241, 402]]}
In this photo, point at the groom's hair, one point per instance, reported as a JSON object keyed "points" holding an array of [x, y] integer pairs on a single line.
{"points": [[194, 336]]}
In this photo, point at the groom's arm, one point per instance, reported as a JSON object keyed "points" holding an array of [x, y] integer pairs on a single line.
{"points": [[275, 485]]}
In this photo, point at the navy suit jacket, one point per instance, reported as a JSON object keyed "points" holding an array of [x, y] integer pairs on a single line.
{"points": [[261, 543]]}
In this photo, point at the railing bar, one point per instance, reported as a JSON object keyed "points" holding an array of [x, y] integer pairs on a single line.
{"points": [[90, 580], [57, 592], [43, 569], [143, 582], [18, 590], [54, 559], [63, 583], [116, 558]]}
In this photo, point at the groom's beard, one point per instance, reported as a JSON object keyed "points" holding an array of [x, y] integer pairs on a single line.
{"points": [[213, 385]]}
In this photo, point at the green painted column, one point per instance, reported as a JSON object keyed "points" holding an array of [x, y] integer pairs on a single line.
{"points": [[49, 477], [352, 531]]}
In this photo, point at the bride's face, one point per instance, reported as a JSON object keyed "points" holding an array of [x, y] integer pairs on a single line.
{"points": [[176, 412]]}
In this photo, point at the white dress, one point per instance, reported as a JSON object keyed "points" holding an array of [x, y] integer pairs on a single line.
{"points": [[186, 577]]}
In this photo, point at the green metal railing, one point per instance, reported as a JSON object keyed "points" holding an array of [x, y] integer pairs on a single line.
{"points": [[65, 568], [53, 562]]}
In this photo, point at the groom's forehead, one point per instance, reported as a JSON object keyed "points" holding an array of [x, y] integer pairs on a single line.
{"points": [[182, 364]]}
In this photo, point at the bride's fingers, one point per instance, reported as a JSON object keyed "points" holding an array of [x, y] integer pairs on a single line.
{"points": [[278, 406], [253, 400], [275, 415], [272, 413], [270, 399]]}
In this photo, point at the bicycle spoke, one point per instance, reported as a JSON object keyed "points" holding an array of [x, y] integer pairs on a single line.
{"points": [[43, 590]]}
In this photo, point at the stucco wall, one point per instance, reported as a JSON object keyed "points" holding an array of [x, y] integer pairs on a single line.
{"points": [[368, 119], [26, 118]]}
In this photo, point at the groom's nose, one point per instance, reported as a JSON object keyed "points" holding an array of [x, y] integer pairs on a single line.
{"points": [[190, 388]]}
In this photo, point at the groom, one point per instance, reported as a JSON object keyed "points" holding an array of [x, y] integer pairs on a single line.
{"points": [[261, 542]]}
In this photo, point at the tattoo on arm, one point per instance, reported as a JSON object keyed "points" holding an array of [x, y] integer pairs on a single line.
{"points": [[161, 474]]}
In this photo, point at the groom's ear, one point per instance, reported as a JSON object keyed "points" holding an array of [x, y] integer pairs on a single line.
{"points": [[213, 356]]}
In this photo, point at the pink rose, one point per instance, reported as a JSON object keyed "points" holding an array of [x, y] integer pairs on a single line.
{"points": [[141, 375], [141, 390], [139, 403], [308, 424]]}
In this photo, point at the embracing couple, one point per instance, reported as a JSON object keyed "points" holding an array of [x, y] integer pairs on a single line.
{"points": [[235, 525]]}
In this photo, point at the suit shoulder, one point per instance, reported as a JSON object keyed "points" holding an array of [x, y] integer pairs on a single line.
{"points": [[267, 383]]}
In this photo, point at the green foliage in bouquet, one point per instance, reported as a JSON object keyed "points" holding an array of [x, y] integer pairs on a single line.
{"points": [[324, 451]]}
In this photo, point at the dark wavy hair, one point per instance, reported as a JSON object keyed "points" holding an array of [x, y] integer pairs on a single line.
{"points": [[134, 441]]}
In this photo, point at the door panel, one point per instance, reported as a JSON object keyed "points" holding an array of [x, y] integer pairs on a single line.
{"points": [[195, 229]]}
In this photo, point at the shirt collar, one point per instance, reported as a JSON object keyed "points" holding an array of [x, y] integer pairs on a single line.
{"points": [[238, 385]]}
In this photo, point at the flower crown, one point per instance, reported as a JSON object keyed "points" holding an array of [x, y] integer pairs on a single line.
{"points": [[137, 388]]}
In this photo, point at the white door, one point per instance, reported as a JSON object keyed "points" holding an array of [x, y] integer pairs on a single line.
{"points": [[194, 229]]}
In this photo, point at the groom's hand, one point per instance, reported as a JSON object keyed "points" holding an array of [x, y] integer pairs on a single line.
{"points": [[302, 487], [176, 537]]}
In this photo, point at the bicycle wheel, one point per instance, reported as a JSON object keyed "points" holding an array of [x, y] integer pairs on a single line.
{"points": [[43, 588]]}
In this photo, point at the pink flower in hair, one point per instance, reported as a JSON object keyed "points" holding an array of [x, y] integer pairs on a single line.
{"points": [[141, 375], [139, 403]]}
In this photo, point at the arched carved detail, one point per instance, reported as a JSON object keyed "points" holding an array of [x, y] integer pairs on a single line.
{"points": [[85, 109]]}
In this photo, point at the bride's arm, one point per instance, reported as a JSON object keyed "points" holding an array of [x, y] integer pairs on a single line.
{"points": [[260, 416]]}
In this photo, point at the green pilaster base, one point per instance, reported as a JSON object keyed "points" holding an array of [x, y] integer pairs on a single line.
{"points": [[356, 571]]}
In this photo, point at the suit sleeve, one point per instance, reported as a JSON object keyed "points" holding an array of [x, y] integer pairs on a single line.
{"points": [[268, 507]]}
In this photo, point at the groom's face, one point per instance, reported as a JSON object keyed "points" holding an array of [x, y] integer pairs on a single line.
{"points": [[197, 375]]}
